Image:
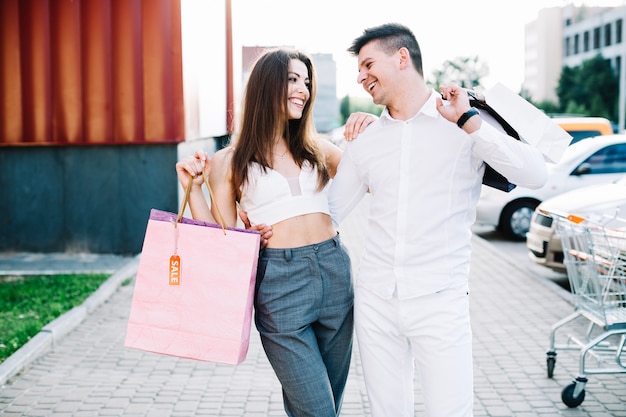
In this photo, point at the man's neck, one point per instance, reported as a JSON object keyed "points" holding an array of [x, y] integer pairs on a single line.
{"points": [[410, 100]]}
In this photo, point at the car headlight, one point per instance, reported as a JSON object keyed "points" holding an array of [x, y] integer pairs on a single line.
{"points": [[542, 219]]}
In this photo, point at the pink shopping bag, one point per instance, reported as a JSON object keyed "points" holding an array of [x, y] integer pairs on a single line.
{"points": [[194, 290]]}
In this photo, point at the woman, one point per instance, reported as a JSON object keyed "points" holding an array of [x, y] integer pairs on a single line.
{"points": [[278, 172]]}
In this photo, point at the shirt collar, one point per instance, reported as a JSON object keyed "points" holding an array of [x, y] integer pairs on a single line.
{"points": [[429, 109]]}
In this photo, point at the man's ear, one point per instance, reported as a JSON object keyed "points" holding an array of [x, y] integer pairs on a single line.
{"points": [[405, 57]]}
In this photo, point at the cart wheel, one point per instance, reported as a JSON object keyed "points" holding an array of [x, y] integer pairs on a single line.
{"points": [[567, 395], [551, 361]]}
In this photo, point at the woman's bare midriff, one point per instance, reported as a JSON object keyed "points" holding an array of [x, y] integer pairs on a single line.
{"points": [[302, 230]]}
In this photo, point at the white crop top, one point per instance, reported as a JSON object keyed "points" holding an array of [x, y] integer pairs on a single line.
{"points": [[269, 197]]}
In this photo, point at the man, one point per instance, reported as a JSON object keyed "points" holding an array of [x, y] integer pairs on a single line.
{"points": [[423, 163]]}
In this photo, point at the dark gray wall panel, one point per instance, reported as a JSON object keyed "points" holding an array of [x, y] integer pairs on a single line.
{"points": [[83, 198]]}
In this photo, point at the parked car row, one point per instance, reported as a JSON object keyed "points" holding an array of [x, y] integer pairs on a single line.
{"points": [[598, 160], [511, 214]]}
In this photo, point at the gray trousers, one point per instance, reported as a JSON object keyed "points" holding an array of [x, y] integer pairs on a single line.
{"points": [[304, 314]]}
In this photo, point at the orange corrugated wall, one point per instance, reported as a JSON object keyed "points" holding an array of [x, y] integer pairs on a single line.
{"points": [[90, 72]]}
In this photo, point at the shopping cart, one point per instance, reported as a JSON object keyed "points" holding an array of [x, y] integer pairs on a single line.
{"points": [[595, 259]]}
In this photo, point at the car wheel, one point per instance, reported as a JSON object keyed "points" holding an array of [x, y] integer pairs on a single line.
{"points": [[515, 219]]}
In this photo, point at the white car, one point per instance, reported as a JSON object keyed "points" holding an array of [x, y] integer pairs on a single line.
{"points": [[597, 160], [600, 202]]}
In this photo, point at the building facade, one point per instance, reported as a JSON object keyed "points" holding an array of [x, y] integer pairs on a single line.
{"points": [[543, 58], [566, 37]]}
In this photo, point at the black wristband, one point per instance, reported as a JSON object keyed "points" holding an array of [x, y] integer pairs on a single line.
{"points": [[465, 117]]}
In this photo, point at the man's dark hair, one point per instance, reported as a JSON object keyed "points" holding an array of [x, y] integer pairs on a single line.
{"points": [[392, 37]]}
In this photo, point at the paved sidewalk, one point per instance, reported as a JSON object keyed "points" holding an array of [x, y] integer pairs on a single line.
{"points": [[86, 371]]}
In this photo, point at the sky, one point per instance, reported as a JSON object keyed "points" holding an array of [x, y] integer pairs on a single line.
{"points": [[493, 30]]}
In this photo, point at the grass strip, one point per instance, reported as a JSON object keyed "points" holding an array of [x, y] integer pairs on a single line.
{"points": [[28, 303]]}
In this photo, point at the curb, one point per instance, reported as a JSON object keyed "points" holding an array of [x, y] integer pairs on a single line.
{"points": [[54, 331]]}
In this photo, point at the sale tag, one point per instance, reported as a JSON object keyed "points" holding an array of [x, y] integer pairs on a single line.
{"points": [[174, 278]]}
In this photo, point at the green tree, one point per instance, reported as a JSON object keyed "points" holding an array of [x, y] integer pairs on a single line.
{"points": [[464, 71], [590, 89], [349, 105], [569, 89]]}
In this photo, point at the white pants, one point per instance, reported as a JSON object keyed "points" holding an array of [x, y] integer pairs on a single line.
{"points": [[433, 332]]}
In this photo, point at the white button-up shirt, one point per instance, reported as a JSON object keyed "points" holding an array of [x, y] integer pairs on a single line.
{"points": [[425, 177]]}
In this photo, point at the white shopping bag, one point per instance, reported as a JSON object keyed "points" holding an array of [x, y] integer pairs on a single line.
{"points": [[533, 126]]}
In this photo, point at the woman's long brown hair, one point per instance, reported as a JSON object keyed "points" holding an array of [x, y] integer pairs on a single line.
{"points": [[265, 117]]}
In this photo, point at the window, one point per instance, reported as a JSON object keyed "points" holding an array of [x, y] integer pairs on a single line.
{"points": [[586, 41], [596, 38], [608, 160], [567, 46], [576, 42], [618, 31], [607, 34]]}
